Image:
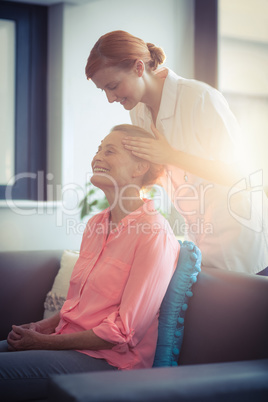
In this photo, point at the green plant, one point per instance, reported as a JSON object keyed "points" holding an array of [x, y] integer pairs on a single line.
{"points": [[93, 202]]}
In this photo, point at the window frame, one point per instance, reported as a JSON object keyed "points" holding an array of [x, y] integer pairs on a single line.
{"points": [[206, 41], [30, 101]]}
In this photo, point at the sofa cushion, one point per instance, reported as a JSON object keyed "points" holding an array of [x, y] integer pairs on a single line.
{"points": [[58, 293], [227, 318], [26, 277], [175, 304]]}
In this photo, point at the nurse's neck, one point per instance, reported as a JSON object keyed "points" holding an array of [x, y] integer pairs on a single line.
{"points": [[153, 93]]}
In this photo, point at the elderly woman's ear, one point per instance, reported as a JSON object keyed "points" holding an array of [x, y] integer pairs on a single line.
{"points": [[141, 168]]}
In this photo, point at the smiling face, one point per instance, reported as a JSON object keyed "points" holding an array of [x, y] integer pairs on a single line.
{"points": [[113, 166], [123, 86]]}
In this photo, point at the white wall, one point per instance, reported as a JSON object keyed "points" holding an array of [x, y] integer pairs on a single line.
{"points": [[79, 114]]}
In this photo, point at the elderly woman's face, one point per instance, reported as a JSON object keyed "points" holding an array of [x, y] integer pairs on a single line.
{"points": [[113, 165]]}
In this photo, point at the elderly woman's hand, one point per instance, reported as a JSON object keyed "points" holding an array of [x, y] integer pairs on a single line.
{"points": [[25, 337], [33, 326], [155, 150]]}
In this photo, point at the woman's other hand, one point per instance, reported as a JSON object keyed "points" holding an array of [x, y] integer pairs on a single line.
{"points": [[25, 337], [31, 326], [156, 150]]}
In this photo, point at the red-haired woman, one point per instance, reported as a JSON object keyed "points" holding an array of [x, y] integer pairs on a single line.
{"points": [[196, 137]]}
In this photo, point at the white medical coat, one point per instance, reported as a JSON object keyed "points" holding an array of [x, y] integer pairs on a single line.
{"points": [[228, 224]]}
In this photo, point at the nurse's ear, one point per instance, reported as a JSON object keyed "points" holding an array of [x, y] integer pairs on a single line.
{"points": [[139, 67]]}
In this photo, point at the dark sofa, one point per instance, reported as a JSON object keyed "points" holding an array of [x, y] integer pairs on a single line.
{"points": [[224, 354]]}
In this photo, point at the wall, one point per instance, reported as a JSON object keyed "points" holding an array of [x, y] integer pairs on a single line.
{"points": [[79, 114]]}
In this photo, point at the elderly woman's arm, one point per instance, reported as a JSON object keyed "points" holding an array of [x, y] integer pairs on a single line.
{"points": [[28, 339], [37, 335], [45, 326]]}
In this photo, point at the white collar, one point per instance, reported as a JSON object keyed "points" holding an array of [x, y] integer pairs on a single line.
{"points": [[168, 98]]}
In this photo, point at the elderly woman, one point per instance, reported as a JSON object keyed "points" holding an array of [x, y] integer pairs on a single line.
{"points": [[110, 318]]}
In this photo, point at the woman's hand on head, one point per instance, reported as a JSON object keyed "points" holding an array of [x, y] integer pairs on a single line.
{"points": [[155, 150]]}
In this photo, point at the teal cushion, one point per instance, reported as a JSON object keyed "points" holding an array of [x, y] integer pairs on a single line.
{"points": [[175, 304]]}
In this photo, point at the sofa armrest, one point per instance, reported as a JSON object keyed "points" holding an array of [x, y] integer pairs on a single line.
{"points": [[237, 381], [26, 277]]}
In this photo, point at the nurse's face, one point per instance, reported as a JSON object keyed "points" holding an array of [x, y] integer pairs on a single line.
{"points": [[123, 86]]}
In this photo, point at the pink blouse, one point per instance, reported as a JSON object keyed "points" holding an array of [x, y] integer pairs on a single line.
{"points": [[118, 284]]}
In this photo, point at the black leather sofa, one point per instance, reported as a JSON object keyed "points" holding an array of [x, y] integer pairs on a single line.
{"points": [[224, 355]]}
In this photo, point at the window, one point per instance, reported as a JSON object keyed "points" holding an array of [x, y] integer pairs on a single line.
{"points": [[25, 127], [243, 73], [7, 96]]}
